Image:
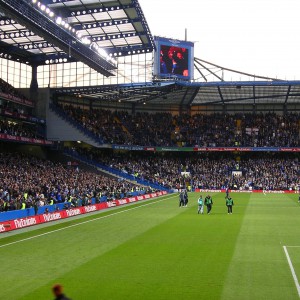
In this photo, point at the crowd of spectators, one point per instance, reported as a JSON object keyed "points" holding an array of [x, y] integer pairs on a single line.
{"points": [[33, 182], [203, 130], [248, 174], [102, 123], [12, 127], [214, 172], [16, 119], [38, 182]]}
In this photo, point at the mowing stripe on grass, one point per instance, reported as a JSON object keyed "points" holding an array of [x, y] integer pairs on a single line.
{"points": [[258, 269], [292, 268], [84, 222]]}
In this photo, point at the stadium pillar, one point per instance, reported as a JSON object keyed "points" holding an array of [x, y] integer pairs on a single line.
{"points": [[224, 108], [34, 83], [285, 110], [133, 109], [184, 110], [34, 86]]}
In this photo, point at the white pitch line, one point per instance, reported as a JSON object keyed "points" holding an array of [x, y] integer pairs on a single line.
{"points": [[84, 222], [292, 270]]}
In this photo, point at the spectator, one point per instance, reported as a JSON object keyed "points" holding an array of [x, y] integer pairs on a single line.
{"points": [[58, 292]]}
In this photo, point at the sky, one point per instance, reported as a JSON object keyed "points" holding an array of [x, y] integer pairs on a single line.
{"points": [[260, 37]]}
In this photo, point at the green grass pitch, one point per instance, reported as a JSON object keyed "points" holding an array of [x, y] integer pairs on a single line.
{"points": [[156, 250]]}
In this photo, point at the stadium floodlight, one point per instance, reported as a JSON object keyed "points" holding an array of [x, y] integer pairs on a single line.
{"points": [[112, 60], [103, 53], [85, 41], [96, 57], [58, 20], [94, 45]]}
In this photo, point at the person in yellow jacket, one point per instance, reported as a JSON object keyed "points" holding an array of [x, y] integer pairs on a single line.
{"points": [[23, 205], [229, 204], [208, 202]]}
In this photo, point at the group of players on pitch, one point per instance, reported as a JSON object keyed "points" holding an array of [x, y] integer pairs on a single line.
{"points": [[208, 202]]}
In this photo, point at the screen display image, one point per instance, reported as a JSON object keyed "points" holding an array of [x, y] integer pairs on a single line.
{"points": [[174, 60]]}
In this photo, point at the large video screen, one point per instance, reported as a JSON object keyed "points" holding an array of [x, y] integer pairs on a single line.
{"points": [[173, 58]]}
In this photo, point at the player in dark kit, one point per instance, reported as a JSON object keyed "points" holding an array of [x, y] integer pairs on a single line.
{"points": [[181, 199], [208, 202], [227, 192], [186, 198]]}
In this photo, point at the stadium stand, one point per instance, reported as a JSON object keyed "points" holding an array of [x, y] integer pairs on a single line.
{"points": [[163, 129], [98, 78], [255, 172], [28, 181], [20, 129], [8, 91]]}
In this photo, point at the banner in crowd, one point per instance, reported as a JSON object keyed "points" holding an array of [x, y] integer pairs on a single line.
{"points": [[247, 191], [125, 147], [14, 138], [16, 99], [20, 116], [207, 149], [62, 214]]}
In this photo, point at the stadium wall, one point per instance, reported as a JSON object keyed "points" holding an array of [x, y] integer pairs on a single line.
{"points": [[174, 109], [246, 108], [247, 191], [121, 106], [21, 220], [32, 150]]}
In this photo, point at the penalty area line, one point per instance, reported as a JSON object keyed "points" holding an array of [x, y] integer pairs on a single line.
{"points": [[292, 269], [84, 222]]}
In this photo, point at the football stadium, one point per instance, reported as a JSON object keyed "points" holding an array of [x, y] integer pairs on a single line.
{"points": [[131, 169]]}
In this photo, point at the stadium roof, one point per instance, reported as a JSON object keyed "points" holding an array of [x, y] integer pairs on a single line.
{"points": [[192, 94], [55, 31]]}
